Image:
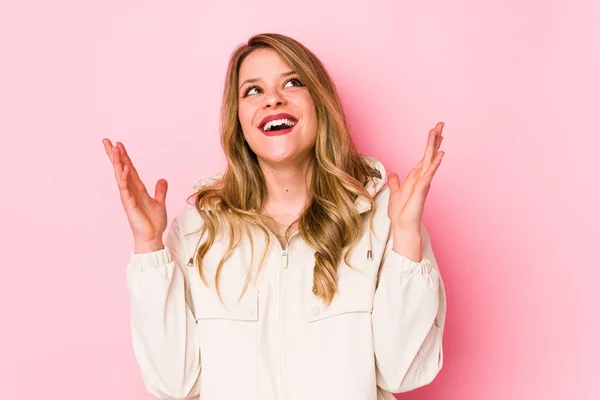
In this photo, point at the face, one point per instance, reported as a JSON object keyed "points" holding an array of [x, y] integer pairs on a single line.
{"points": [[276, 111]]}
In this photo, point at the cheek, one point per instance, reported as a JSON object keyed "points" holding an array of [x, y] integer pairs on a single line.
{"points": [[246, 116], [246, 112], [305, 103], [243, 116], [311, 122]]}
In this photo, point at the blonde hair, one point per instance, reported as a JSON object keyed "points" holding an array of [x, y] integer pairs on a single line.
{"points": [[330, 223]]}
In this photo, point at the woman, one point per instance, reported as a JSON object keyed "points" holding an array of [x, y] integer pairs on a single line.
{"points": [[297, 273]]}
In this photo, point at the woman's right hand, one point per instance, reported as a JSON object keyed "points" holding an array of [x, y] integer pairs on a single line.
{"points": [[147, 216]]}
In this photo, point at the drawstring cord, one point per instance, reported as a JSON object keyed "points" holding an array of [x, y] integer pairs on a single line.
{"points": [[370, 251], [191, 261]]}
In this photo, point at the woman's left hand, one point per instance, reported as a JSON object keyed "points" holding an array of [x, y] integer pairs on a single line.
{"points": [[407, 200]]}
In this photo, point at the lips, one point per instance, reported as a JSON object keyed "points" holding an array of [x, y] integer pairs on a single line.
{"points": [[275, 117]]}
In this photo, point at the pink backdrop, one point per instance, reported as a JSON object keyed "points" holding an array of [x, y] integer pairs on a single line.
{"points": [[513, 212]]}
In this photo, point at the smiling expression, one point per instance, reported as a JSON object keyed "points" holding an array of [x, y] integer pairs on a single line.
{"points": [[276, 111]]}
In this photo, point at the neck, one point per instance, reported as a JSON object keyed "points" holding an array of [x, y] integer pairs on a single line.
{"points": [[287, 187]]}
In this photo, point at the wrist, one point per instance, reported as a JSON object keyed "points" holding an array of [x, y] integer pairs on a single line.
{"points": [[148, 246], [408, 243]]}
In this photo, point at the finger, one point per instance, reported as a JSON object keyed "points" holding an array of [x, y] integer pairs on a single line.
{"points": [[432, 151], [127, 197], [419, 165], [127, 160], [123, 178], [117, 164], [428, 156], [108, 148], [407, 186], [439, 128], [412, 178], [160, 192], [438, 144], [394, 183], [434, 167]]}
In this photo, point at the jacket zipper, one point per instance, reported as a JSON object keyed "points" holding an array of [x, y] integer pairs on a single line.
{"points": [[282, 330], [284, 254], [282, 316]]}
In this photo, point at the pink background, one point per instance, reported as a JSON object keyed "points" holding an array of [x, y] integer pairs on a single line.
{"points": [[513, 211]]}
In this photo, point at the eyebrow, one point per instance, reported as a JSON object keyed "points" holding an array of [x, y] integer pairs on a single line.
{"points": [[258, 79]]}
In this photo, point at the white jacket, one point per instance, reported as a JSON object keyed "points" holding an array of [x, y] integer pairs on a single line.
{"points": [[381, 334]]}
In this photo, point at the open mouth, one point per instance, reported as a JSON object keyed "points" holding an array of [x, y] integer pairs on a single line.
{"points": [[278, 125]]}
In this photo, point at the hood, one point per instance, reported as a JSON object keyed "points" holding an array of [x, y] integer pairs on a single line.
{"points": [[373, 186]]}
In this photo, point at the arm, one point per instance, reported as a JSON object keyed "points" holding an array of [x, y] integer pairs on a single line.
{"points": [[165, 340], [408, 319]]}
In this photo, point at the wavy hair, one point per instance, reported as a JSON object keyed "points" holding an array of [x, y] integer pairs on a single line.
{"points": [[330, 223]]}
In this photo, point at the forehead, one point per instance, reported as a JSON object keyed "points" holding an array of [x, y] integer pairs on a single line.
{"points": [[263, 64]]}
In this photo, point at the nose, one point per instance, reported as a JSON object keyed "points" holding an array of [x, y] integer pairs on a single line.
{"points": [[274, 99]]}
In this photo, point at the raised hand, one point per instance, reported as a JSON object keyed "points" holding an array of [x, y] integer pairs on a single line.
{"points": [[407, 200], [147, 216]]}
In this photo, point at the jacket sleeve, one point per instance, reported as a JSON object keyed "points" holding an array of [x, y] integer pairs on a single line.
{"points": [[408, 317], [164, 330]]}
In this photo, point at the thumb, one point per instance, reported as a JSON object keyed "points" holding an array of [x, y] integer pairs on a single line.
{"points": [[160, 192], [394, 183]]}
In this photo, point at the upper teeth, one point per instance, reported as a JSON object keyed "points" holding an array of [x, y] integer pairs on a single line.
{"points": [[277, 122]]}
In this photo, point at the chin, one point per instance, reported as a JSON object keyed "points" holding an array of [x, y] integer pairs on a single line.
{"points": [[276, 158], [280, 156], [279, 150]]}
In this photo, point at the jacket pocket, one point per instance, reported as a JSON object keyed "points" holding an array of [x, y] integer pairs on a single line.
{"points": [[246, 309], [336, 342], [355, 293], [228, 346]]}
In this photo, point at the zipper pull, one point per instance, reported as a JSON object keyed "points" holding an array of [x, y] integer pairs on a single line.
{"points": [[284, 254]]}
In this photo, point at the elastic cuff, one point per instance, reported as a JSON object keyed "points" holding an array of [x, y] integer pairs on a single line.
{"points": [[155, 259], [399, 262]]}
